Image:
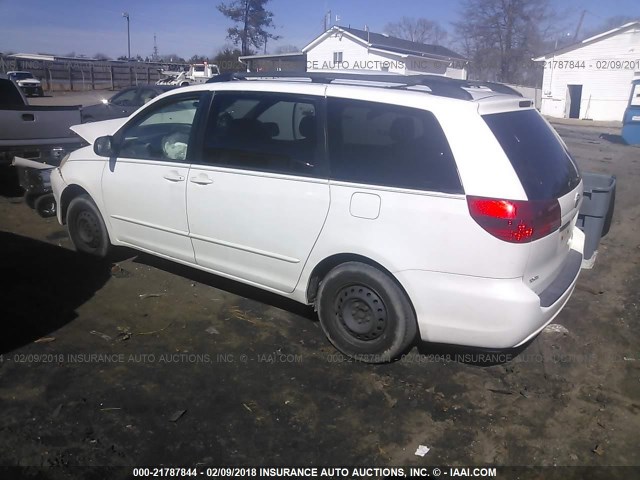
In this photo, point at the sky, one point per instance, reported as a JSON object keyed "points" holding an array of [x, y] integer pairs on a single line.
{"points": [[188, 27]]}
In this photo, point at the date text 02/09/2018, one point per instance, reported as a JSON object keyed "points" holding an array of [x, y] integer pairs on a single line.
{"points": [[612, 64]]}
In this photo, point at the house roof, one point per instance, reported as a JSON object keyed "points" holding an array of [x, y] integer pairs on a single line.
{"points": [[392, 44], [587, 41]]}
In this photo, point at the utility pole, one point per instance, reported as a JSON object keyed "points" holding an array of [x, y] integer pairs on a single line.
{"points": [[126, 15], [155, 48]]}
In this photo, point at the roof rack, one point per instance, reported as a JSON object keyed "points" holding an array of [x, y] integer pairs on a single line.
{"points": [[441, 86]]}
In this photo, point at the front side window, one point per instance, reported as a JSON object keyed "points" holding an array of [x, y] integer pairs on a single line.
{"points": [[125, 98], [380, 144], [264, 132], [147, 94], [164, 133]]}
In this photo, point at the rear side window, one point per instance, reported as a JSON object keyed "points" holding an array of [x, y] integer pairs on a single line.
{"points": [[268, 132], [381, 144], [542, 163]]}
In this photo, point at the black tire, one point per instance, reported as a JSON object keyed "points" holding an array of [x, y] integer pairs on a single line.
{"points": [[86, 227], [365, 314], [46, 205]]}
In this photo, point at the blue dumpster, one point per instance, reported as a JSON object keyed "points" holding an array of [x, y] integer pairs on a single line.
{"points": [[631, 120]]}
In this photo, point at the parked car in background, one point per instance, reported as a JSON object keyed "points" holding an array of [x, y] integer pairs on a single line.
{"points": [[436, 209], [29, 84], [123, 103]]}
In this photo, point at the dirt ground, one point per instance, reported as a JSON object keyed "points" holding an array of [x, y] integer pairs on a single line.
{"points": [[151, 363]]}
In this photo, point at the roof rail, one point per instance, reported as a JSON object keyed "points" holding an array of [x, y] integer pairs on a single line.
{"points": [[439, 85]]}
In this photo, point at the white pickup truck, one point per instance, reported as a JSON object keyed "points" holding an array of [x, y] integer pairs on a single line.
{"points": [[197, 73], [36, 132], [29, 84]]}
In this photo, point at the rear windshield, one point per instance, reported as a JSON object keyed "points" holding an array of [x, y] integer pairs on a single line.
{"points": [[542, 163], [9, 93]]}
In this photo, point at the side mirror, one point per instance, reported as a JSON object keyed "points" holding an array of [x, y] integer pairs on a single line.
{"points": [[103, 146], [105, 101]]}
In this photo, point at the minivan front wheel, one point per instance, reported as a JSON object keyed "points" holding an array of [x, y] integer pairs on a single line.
{"points": [[365, 314], [86, 227]]}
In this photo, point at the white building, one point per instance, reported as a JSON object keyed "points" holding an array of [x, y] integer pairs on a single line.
{"points": [[592, 79], [342, 48]]}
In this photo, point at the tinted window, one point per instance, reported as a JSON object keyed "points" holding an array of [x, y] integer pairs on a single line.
{"points": [[265, 132], [125, 98], [161, 134], [382, 144], [9, 93], [147, 94], [542, 163]]}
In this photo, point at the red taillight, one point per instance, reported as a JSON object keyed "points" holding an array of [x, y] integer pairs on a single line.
{"points": [[516, 221]]}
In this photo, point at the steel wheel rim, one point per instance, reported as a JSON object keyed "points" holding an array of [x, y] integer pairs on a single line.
{"points": [[88, 229], [361, 312]]}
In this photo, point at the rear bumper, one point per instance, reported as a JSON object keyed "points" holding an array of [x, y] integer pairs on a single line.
{"points": [[486, 312]]}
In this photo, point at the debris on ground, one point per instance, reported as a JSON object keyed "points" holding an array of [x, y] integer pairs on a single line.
{"points": [[45, 340], [236, 312], [57, 411], [555, 328], [590, 290], [118, 272], [598, 450], [497, 390], [124, 334], [142, 296], [177, 416], [212, 331], [421, 451], [155, 331], [110, 409], [103, 336]]}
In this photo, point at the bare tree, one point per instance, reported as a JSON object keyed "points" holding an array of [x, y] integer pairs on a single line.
{"points": [[500, 37], [420, 30], [287, 49], [252, 21]]}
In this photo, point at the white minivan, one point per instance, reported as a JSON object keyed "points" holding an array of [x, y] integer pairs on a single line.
{"points": [[402, 208]]}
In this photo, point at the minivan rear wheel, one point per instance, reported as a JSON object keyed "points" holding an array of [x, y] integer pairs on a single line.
{"points": [[365, 314], [86, 227]]}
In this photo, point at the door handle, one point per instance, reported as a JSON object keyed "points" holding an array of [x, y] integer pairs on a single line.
{"points": [[174, 177], [28, 117], [201, 180]]}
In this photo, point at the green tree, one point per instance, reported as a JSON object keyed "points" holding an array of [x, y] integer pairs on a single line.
{"points": [[227, 60], [252, 22]]}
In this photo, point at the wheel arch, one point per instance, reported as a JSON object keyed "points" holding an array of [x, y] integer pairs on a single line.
{"points": [[329, 263], [68, 194]]}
